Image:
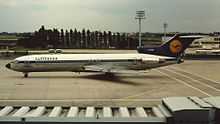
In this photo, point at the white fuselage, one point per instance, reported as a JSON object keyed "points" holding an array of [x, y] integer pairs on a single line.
{"points": [[77, 62]]}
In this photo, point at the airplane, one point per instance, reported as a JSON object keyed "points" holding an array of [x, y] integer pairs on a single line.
{"points": [[147, 58]]}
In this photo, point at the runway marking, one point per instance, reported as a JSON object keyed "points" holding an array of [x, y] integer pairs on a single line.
{"points": [[139, 94], [197, 75], [184, 83], [193, 80]]}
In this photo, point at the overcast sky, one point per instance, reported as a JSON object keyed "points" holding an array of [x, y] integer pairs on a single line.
{"points": [[113, 15]]}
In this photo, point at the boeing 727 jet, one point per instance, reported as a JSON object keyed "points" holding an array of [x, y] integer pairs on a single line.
{"points": [[147, 58]]}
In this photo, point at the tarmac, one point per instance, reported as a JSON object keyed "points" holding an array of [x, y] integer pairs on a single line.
{"points": [[191, 78]]}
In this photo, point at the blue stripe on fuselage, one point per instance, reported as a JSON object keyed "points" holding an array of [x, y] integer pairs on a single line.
{"points": [[80, 61]]}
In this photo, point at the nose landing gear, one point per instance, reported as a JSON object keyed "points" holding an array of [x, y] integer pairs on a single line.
{"points": [[25, 74]]}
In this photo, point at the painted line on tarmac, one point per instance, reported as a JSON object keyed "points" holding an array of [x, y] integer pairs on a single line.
{"points": [[197, 75], [184, 83], [139, 94], [192, 79]]}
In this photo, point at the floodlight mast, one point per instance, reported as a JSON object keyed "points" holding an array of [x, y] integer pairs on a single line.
{"points": [[140, 14], [165, 27]]}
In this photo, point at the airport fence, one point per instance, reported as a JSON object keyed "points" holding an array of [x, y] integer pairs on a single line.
{"points": [[13, 53]]}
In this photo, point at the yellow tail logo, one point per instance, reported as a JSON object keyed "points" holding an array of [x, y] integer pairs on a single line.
{"points": [[175, 46]]}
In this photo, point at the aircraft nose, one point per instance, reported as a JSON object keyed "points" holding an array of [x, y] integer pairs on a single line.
{"points": [[8, 66]]}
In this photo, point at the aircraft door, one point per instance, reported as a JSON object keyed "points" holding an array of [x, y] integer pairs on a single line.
{"points": [[26, 62], [134, 61]]}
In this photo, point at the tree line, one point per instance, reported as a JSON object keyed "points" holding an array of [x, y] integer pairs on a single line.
{"points": [[77, 39]]}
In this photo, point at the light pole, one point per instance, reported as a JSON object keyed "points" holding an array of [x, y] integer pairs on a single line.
{"points": [[140, 14], [165, 27]]}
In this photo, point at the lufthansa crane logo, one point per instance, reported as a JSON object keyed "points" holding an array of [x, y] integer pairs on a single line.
{"points": [[175, 46]]}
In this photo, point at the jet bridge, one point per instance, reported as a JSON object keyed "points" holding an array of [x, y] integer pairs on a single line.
{"points": [[173, 110]]}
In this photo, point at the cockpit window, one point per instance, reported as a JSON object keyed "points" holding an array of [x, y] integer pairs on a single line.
{"points": [[15, 61]]}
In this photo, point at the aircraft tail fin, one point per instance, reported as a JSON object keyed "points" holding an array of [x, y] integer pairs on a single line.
{"points": [[173, 47]]}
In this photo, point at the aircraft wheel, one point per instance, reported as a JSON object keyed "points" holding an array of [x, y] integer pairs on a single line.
{"points": [[26, 75], [109, 74]]}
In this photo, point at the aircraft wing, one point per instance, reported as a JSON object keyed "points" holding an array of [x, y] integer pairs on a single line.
{"points": [[109, 69]]}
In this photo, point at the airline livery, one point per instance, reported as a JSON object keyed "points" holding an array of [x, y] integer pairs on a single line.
{"points": [[147, 58]]}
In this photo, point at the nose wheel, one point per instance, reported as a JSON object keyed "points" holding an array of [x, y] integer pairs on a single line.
{"points": [[25, 74]]}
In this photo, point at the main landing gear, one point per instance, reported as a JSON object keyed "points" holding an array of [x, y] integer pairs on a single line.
{"points": [[109, 74], [25, 74]]}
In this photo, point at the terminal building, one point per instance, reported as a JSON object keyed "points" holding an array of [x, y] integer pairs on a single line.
{"points": [[207, 42]]}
